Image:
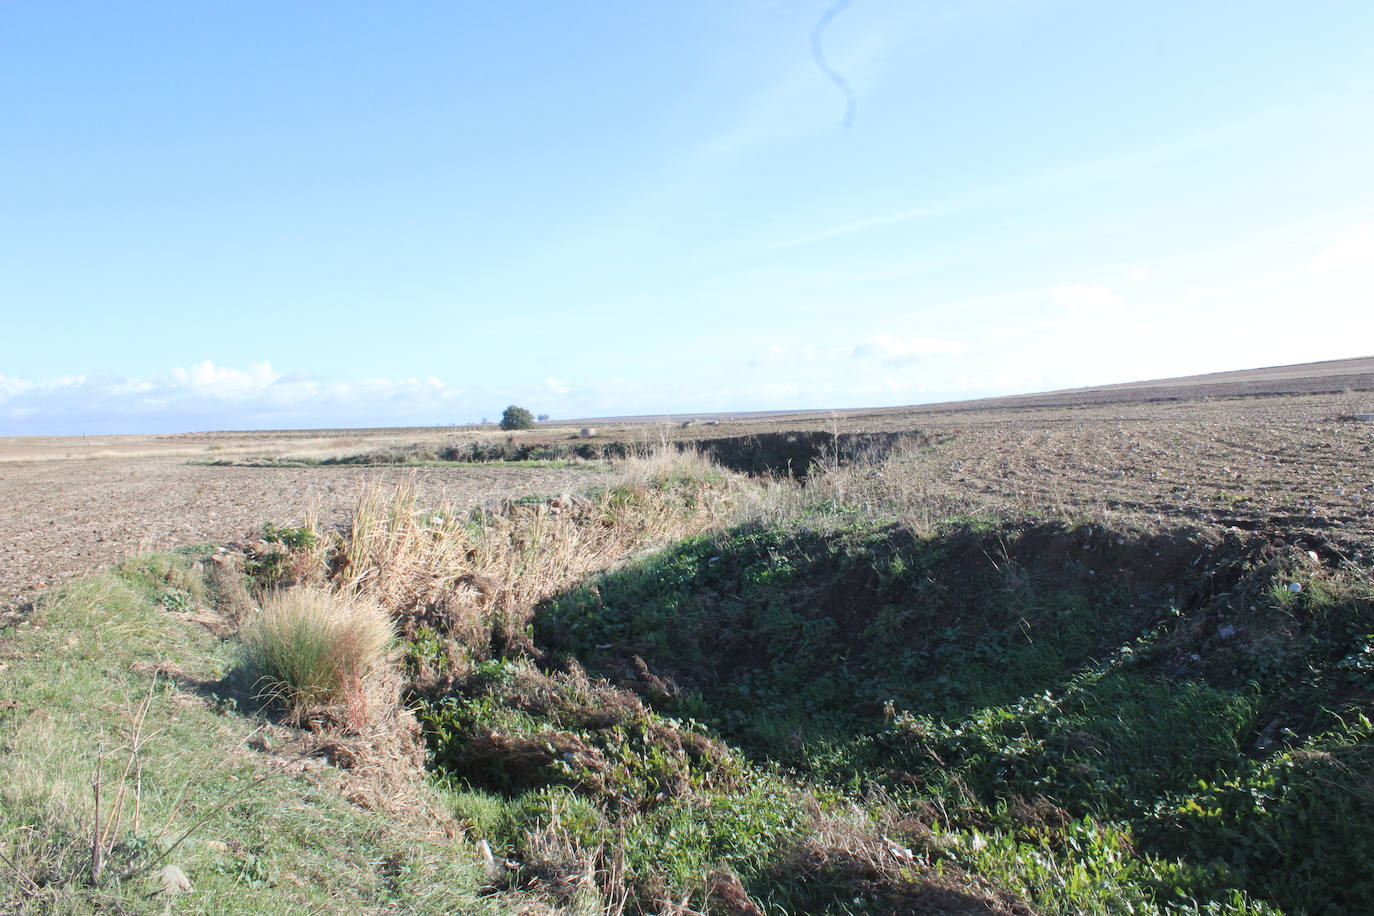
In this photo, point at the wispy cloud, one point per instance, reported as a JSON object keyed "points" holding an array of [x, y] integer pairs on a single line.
{"points": [[204, 395], [1086, 172], [779, 356]]}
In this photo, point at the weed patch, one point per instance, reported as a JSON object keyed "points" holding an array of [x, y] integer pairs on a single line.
{"points": [[1161, 694]]}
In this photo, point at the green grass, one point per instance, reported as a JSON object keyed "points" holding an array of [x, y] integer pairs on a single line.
{"points": [[520, 749], [844, 716], [256, 841], [975, 672]]}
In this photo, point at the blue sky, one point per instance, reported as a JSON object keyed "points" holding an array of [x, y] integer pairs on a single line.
{"points": [[258, 215]]}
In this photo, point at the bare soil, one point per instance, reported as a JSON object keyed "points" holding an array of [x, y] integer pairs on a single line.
{"points": [[61, 518], [1291, 467], [1273, 451]]}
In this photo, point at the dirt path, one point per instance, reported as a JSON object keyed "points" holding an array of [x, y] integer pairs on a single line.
{"points": [[64, 518]]}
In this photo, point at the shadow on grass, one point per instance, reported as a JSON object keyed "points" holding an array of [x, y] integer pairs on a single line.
{"points": [[1206, 690]]}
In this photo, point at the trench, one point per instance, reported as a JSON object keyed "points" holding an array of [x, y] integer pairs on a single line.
{"points": [[1019, 676], [781, 454]]}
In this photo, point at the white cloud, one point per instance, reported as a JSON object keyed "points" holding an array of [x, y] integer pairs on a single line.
{"points": [[1085, 297], [556, 386], [896, 350], [1138, 274], [1353, 250], [208, 379], [206, 396], [9, 387]]}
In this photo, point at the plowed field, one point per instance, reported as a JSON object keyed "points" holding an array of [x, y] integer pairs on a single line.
{"points": [[1272, 451]]}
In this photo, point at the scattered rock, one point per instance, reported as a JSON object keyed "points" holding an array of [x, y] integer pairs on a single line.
{"points": [[174, 881], [494, 872]]}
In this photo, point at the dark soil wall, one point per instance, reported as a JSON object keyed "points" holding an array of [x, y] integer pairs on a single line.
{"points": [[791, 454]]}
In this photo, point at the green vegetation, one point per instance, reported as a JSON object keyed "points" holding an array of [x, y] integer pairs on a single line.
{"points": [[1094, 723], [534, 745], [491, 453], [300, 537], [286, 556], [516, 418], [635, 703], [103, 684]]}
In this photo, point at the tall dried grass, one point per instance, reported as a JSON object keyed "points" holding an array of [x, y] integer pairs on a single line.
{"points": [[906, 485], [667, 464], [476, 575], [311, 648]]}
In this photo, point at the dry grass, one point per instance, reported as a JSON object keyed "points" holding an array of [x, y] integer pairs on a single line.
{"points": [[472, 577], [667, 463], [312, 648], [476, 577], [880, 855], [899, 485], [909, 486]]}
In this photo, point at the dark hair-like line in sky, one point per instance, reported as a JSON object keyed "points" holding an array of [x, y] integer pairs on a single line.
{"points": [[850, 99]]}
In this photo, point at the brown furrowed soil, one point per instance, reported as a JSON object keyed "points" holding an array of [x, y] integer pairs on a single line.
{"points": [[61, 518], [1272, 451], [1294, 468]]}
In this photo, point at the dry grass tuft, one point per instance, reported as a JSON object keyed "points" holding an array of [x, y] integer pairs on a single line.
{"points": [[855, 855], [380, 762], [657, 466], [476, 576], [312, 649]]}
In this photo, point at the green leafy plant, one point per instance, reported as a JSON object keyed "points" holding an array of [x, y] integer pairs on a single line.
{"points": [[301, 537]]}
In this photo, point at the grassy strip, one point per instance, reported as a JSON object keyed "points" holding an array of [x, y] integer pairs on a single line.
{"points": [[494, 453], [109, 654], [365, 462]]}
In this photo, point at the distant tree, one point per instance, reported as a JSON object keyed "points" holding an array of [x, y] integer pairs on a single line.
{"points": [[543, 418], [517, 418]]}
